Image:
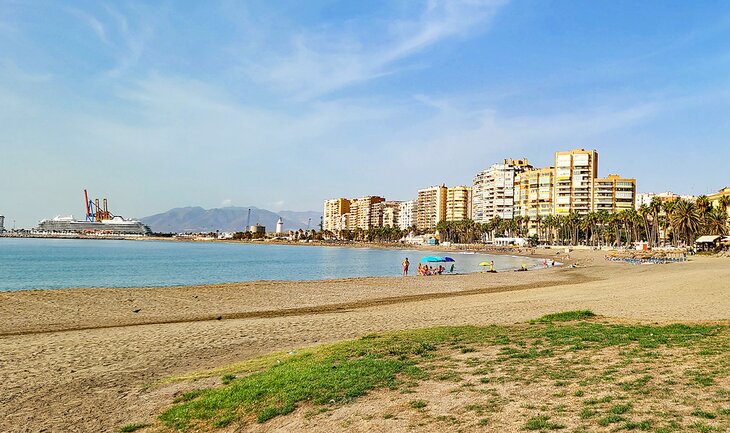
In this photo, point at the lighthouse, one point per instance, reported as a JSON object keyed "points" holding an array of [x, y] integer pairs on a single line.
{"points": [[280, 226]]}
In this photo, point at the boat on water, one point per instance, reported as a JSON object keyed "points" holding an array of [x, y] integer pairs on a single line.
{"points": [[115, 225], [99, 221]]}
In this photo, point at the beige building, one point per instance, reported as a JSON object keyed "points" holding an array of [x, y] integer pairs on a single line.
{"points": [[493, 190], [430, 207], [715, 199], [334, 211], [458, 203], [613, 194], [574, 174], [534, 195], [364, 213]]}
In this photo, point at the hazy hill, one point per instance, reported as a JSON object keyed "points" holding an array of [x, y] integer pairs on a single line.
{"points": [[227, 219]]}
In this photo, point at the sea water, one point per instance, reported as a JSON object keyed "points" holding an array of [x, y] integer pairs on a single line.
{"points": [[65, 263]]}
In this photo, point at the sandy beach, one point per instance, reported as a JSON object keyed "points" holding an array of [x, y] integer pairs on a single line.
{"points": [[83, 359]]}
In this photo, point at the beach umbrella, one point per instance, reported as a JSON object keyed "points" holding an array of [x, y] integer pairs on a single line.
{"points": [[449, 259], [432, 259], [483, 264]]}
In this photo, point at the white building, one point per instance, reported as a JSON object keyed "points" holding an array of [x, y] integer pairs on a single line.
{"points": [[407, 214], [493, 190], [645, 198]]}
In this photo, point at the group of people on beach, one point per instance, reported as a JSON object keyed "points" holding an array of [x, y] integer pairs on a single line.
{"points": [[425, 269], [430, 270]]}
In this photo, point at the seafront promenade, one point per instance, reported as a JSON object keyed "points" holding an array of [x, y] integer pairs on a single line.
{"points": [[66, 353]]}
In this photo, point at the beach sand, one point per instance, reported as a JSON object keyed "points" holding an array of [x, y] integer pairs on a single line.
{"points": [[83, 359]]}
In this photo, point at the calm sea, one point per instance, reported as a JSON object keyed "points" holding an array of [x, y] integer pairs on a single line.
{"points": [[63, 263]]}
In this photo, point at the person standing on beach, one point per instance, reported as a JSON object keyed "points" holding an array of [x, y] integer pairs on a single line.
{"points": [[406, 264], [491, 266]]}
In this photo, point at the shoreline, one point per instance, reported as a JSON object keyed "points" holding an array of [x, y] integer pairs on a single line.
{"points": [[534, 265]]}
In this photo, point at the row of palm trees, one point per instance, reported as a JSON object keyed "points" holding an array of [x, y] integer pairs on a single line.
{"points": [[658, 223]]}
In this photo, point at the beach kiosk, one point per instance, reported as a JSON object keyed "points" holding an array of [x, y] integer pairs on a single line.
{"points": [[708, 242]]}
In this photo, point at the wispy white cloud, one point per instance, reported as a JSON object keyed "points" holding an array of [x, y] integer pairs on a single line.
{"points": [[94, 24], [319, 62]]}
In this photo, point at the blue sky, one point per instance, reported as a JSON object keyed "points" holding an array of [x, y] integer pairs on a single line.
{"points": [[282, 104]]}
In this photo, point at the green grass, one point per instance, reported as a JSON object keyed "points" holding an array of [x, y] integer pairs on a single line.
{"points": [[542, 422], [418, 404], [567, 316], [335, 374], [228, 378], [702, 414], [132, 427]]}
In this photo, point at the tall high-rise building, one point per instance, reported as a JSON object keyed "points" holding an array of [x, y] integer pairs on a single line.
{"points": [[458, 203], [494, 189], [334, 209], [574, 174], [613, 194], [407, 214], [534, 195], [390, 213], [430, 207], [364, 213]]}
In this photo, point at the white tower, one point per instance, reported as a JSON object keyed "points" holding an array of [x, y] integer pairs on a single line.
{"points": [[280, 226]]}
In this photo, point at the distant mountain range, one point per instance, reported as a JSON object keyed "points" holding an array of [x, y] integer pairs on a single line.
{"points": [[227, 219]]}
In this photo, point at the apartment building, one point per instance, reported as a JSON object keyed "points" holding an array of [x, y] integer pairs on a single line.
{"points": [[715, 199], [645, 198], [493, 190], [534, 195], [574, 174], [334, 210], [390, 213], [407, 214], [364, 213], [458, 203], [613, 194], [430, 207]]}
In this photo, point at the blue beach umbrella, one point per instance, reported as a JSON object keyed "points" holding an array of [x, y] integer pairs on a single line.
{"points": [[449, 259], [432, 259]]}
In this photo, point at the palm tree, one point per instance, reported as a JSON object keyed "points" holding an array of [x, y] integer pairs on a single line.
{"points": [[716, 222], [703, 204], [685, 220], [724, 203], [655, 206], [645, 214]]}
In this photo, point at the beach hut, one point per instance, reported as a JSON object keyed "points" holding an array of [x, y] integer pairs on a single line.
{"points": [[708, 242]]}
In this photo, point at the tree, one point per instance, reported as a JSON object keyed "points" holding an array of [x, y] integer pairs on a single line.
{"points": [[716, 222], [724, 203], [685, 220]]}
